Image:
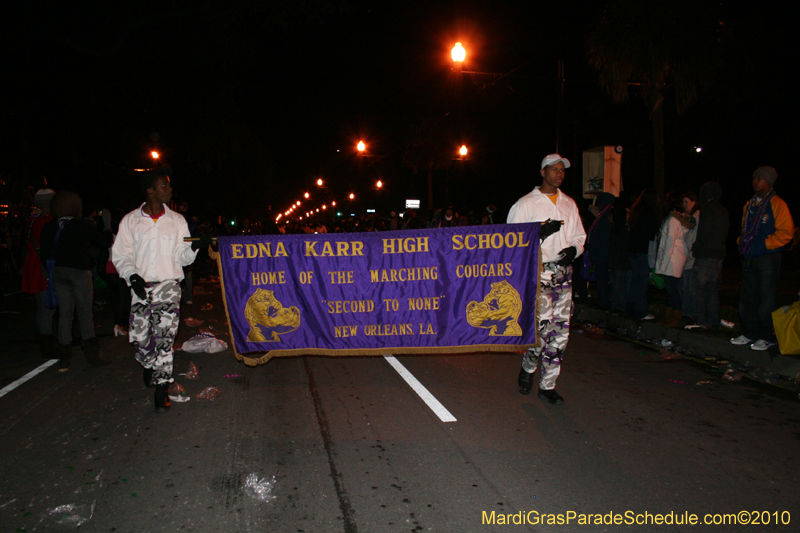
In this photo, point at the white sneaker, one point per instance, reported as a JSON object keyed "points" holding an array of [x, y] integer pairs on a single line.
{"points": [[741, 340], [648, 316], [761, 345]]}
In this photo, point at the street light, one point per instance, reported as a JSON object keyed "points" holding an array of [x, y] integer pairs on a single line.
{"points": [[352, 196], [361, 147], [458, 53], [379, 184], [319, 182], [306, 195], [463, 151]]}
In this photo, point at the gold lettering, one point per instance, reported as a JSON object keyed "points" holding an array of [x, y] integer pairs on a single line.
{"points": [[388, 246], [264, 250], [311, 248], [236, 250], [327, 250], [458, 242], [466, 242], [357, 248], [342, 248]]}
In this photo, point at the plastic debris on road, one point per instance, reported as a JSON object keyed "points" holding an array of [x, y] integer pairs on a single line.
{"points": [[69, 515], [193, 322], [666, 343], [732, 375], [726, 324], [259, 489], [179, 399], [204, 342], [206, 307], [192, 373], [177, 393], [209, 393]]}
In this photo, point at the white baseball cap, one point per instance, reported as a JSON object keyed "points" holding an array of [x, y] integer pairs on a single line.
{"points": [[552, 159]]}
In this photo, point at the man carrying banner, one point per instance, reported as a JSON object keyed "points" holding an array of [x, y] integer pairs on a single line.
{"points": [[559, 213], [150, 253]]}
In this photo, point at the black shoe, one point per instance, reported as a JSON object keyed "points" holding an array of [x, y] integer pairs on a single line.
{"points": [[148, 377], [65, 357], [162, 398], [91, 349], [551, 396], [525, 381]]}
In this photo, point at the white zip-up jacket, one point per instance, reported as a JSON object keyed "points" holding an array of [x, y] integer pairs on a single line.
{"points": [[155, 251], [537, 207]]}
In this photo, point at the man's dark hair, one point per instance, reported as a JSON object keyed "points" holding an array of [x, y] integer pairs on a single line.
{"points": [[148, 181]]}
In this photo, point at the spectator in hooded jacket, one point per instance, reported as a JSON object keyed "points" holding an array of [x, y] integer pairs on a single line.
{"points": [[598, 242], [72, 277], [709, 252]]}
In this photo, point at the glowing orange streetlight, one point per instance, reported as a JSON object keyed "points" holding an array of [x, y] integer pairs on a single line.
{"points": [[333, 204], [361, 147], [352, 196], [324, 207], [319, 182], [306, 195], [379, 184], [458, 53], [154, 154], [463, 151]]}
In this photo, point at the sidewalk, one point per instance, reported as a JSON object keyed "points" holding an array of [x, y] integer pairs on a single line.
{"points": [[713, 347]]}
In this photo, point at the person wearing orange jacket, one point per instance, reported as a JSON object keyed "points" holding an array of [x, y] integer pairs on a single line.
{"points": [[767, 228]]}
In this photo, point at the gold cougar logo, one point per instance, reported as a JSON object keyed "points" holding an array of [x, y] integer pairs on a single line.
{"points": [[263, 310], [498, 311]]}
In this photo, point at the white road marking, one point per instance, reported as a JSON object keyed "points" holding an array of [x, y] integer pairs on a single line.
{"points": [[11, 386], [440, 410]]}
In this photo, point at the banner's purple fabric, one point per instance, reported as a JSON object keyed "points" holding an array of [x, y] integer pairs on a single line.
{"points": [[416, 291]]}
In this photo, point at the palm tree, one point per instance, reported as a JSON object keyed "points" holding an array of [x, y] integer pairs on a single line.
{"points": [[659, 46]]}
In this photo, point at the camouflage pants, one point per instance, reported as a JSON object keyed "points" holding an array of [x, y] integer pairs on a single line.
{"points": [[154, 324], [555, 311]]}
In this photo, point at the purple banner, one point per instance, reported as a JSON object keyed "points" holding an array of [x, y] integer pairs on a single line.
{"points": [[418, 291]]}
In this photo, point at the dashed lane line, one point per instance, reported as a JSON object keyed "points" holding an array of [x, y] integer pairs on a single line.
{"points": [[439, 409], [11, 386]]}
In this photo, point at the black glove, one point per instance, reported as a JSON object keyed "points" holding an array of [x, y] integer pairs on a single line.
{"points": [[548, 228], [138, 286], [203, 242], [567, 256]]}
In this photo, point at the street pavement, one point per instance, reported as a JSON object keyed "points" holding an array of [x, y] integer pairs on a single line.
{"points": [[354, 448]]}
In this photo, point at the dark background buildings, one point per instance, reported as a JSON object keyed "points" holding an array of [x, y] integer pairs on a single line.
{"points": [[250, 102]]}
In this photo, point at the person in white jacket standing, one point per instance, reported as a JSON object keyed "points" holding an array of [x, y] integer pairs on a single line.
{"points": [[563, 238], [670, 260]]}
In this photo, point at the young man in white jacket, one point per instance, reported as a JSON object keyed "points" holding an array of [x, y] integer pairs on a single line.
{"points": [[150, 253], [562, 242]]}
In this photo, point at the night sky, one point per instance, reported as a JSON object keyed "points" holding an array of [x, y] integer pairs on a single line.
{"points": [[250, 102]]}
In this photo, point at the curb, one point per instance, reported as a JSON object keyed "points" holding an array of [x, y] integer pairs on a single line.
{"points": [[766, 367]]}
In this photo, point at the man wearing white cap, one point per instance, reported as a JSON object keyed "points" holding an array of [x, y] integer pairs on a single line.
{"points": [[563, 238]]}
